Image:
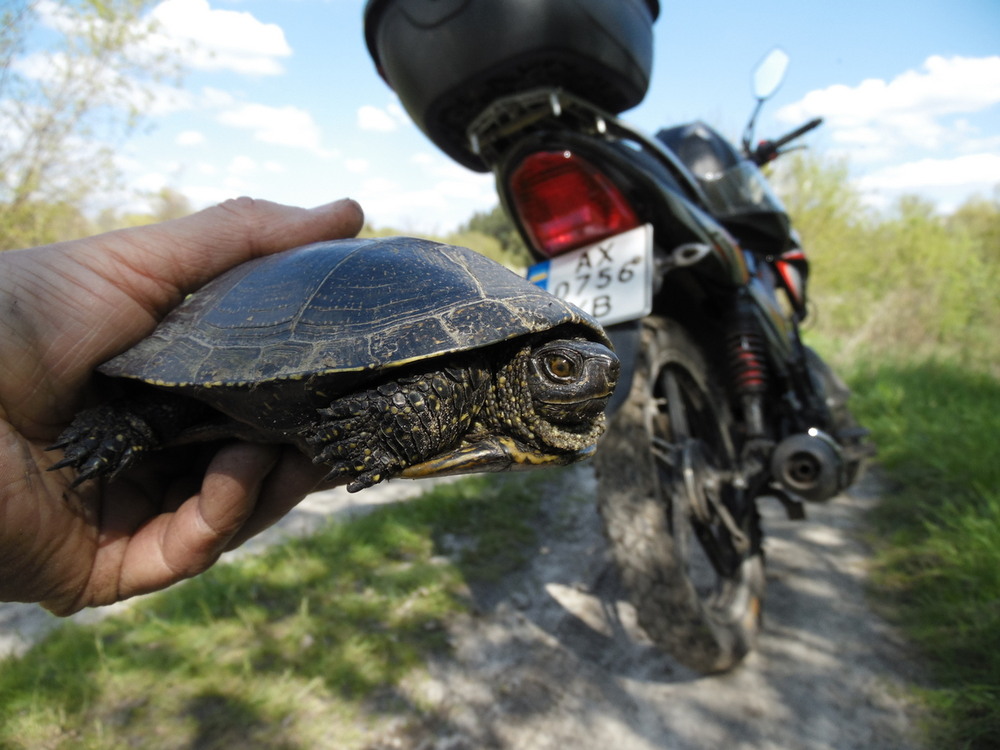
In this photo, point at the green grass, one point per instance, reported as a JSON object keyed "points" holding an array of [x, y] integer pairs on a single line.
{"points": [[938, 534], [305, 645]]}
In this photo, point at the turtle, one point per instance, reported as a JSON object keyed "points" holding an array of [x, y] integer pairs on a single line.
{"points": [[379, 358]]}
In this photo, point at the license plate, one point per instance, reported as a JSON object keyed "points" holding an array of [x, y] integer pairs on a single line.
{"points": [[609, 279]]}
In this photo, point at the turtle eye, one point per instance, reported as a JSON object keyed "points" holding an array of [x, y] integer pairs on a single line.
{"points": [[560, 367]]}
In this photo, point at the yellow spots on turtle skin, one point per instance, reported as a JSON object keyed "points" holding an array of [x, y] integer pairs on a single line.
{"points": [[122, 438]]}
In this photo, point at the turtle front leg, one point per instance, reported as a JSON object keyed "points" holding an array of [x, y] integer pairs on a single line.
{"points": [[373, 435], [107, 439], [352, 445]]}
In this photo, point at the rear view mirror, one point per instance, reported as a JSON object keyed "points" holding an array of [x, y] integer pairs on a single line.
{"points": [[769, 73]]}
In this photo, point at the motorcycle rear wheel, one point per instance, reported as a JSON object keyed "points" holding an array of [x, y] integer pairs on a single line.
{"points": [[669, 498]]}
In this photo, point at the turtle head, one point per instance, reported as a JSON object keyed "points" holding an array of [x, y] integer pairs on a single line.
{"points": [[568, 383], [571, 380], [545, 408]]}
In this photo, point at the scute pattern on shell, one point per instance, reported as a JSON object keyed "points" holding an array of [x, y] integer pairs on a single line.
{"points": [[341, 306]]}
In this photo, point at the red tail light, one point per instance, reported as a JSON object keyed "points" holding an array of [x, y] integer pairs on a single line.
{"points": [[565, 202]]}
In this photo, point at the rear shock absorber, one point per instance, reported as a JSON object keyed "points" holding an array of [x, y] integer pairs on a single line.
{"points": [[747, 365]]}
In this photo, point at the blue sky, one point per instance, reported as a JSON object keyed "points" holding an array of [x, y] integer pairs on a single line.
{"points": [[282, 101]]}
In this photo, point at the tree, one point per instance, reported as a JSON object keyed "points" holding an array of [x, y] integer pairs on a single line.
{"points": [[165, 204], [496, 224], [979, 217], [74, 77]]}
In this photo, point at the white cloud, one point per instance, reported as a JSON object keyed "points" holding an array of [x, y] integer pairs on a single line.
{"points": [[54, 16], [450, 194], [373, 118], [202, 37], [190, 138], [382, 120], [918, 108], [151, 182], [969, 171], [285, 126], [945, 86], [242, 165], [437, 166], [214, 98], [212, 39], [357, 166], [376, 185], [207, 195]]}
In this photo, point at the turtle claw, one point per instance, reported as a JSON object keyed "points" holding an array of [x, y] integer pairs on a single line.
{"points": [[351, 452], [362, 479], [348, 460], [102, 442], [86, 467]]}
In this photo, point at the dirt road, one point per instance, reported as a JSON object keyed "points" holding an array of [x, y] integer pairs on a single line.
{"points": [[555, 660], [552, 658]]}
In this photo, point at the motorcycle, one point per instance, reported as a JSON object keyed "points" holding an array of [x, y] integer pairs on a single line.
{"points": [[678, 246]]}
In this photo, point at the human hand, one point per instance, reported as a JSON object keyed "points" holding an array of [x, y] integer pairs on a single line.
{"points": [[64, 309]]}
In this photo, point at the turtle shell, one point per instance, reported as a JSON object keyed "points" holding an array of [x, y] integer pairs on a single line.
{"points": [[342, 306]]}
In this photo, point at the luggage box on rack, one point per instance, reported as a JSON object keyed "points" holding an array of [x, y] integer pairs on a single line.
{"points": [[448, 59]]}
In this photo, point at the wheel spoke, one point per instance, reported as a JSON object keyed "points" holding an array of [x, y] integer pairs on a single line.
{"points": [[675, 406], [664, 452]]}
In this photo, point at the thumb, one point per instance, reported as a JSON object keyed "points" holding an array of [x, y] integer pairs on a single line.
{"points": [[183, 254]]}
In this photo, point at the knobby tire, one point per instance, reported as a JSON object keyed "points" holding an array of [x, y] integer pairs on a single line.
{"points": [[706, 615]]}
